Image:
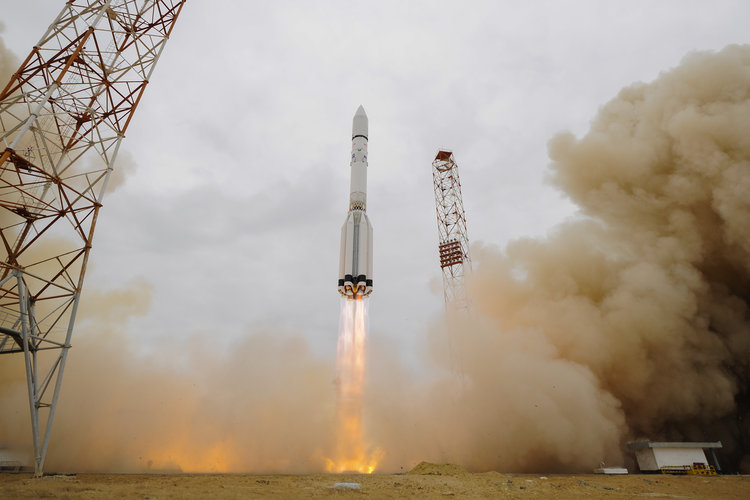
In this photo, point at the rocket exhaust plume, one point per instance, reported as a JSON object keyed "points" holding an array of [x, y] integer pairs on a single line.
{"points": [[352, 451], [354, 285]]}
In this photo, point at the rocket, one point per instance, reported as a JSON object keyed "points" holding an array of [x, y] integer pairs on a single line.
{"points": [[355, 261]]}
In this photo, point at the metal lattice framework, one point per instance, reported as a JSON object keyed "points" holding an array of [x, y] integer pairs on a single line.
{"points": [[62, 117], [453, 246]]}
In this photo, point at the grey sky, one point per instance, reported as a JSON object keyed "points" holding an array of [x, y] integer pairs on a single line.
{"points": [[242, 144]]}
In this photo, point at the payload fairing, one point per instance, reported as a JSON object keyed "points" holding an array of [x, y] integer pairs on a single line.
{"points": [[355, 262]]}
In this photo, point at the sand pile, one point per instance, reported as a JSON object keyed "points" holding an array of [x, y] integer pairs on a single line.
{"points": [[427, 468]]}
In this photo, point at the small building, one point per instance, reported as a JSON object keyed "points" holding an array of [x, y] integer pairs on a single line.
{"points": [[14, 459], [673, 457]]}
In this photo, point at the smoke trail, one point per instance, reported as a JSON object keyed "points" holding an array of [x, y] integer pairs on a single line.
{"points": [[630, 321]]}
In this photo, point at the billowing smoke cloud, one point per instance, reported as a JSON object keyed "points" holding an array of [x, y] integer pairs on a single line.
{"points": [[630, 321], [267, 406]]}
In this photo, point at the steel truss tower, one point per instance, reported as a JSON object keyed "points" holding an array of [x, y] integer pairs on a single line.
{"points": [[453, 245], [62, 117]]}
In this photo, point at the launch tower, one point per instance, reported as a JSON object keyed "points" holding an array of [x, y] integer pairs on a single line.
{"points": [[453, 244], [63, 115]]}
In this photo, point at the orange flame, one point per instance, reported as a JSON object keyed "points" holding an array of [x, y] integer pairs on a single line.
{"points": [[352, 453]]}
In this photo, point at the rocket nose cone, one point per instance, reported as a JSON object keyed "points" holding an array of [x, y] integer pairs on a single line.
{"points": [[359, 124]]}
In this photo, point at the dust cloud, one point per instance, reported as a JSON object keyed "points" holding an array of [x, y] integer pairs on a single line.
{"points": [[629, 321], [267, 406]]}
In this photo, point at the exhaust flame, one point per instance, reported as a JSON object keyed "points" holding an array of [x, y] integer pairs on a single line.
{"points": [[351, 451]]}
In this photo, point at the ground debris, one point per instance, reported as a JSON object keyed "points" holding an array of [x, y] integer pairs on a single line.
{"points": [[605, 487], [427, 468], [347, 486], [596, 485]]}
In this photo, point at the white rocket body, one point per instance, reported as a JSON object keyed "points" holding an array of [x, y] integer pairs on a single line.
{"points": [[355, 262]]}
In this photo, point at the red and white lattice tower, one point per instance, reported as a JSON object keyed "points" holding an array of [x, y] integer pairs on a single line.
{"points": [[63, 115], [453, 244]]}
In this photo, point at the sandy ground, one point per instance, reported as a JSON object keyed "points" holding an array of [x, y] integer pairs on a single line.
{"points": [[429, 482]]}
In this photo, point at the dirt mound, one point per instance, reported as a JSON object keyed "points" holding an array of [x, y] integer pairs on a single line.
{"points": [[426, 468]]}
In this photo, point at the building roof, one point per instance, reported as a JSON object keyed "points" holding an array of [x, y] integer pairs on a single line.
{"points": [[640, 445]]}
